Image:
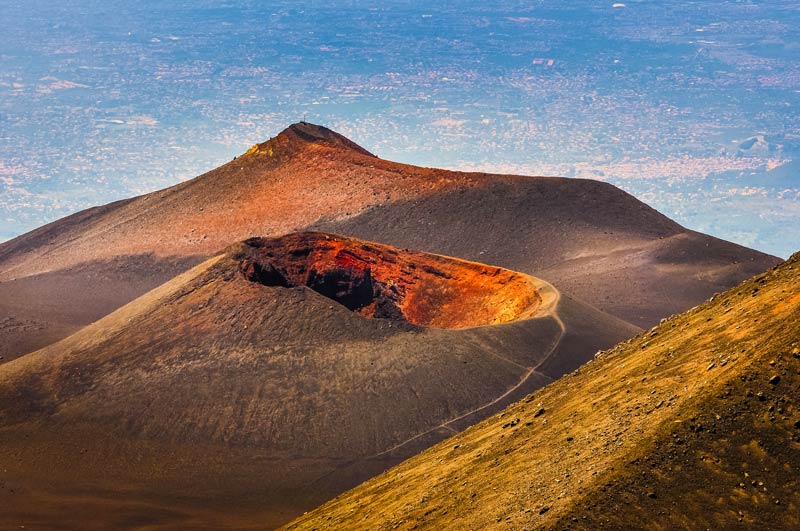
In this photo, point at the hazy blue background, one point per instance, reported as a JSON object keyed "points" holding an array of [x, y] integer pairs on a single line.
{"points": [[691, 106]]}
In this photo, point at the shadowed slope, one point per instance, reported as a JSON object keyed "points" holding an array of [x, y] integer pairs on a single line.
{"points": [[216, 394], [40, 309], [692, 425], [588, 238], [587, 234]]}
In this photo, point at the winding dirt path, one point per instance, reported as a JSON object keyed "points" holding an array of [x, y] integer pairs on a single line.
{"points": [[549, 308]]}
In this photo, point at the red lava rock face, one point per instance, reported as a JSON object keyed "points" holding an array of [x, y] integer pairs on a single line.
{"points": [[380, 281]]}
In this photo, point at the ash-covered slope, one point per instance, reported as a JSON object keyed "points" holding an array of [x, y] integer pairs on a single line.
{"points": [[604, 246], [270, 378], [589, 238], [694, 424]]}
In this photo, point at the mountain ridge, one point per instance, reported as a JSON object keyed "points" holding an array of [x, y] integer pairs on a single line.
{"points": [[310, 178]]}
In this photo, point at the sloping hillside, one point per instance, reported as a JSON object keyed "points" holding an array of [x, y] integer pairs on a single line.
{"points": [[270, 378], [694, 424]]}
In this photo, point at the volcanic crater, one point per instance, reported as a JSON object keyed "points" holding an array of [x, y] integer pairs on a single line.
{"points": [[379, 281]]}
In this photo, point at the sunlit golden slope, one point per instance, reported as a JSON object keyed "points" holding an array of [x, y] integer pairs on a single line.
{"points": [[694, 424]]}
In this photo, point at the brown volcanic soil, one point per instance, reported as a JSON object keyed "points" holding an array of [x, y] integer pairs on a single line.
{"points": [[589, 238], [219, 401], [694, 424]]}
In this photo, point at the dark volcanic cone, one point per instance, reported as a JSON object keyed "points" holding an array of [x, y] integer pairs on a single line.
{"points": [[272, 377]]}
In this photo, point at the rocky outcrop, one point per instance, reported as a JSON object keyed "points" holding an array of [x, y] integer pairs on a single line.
{"points": [[382, 282]]}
